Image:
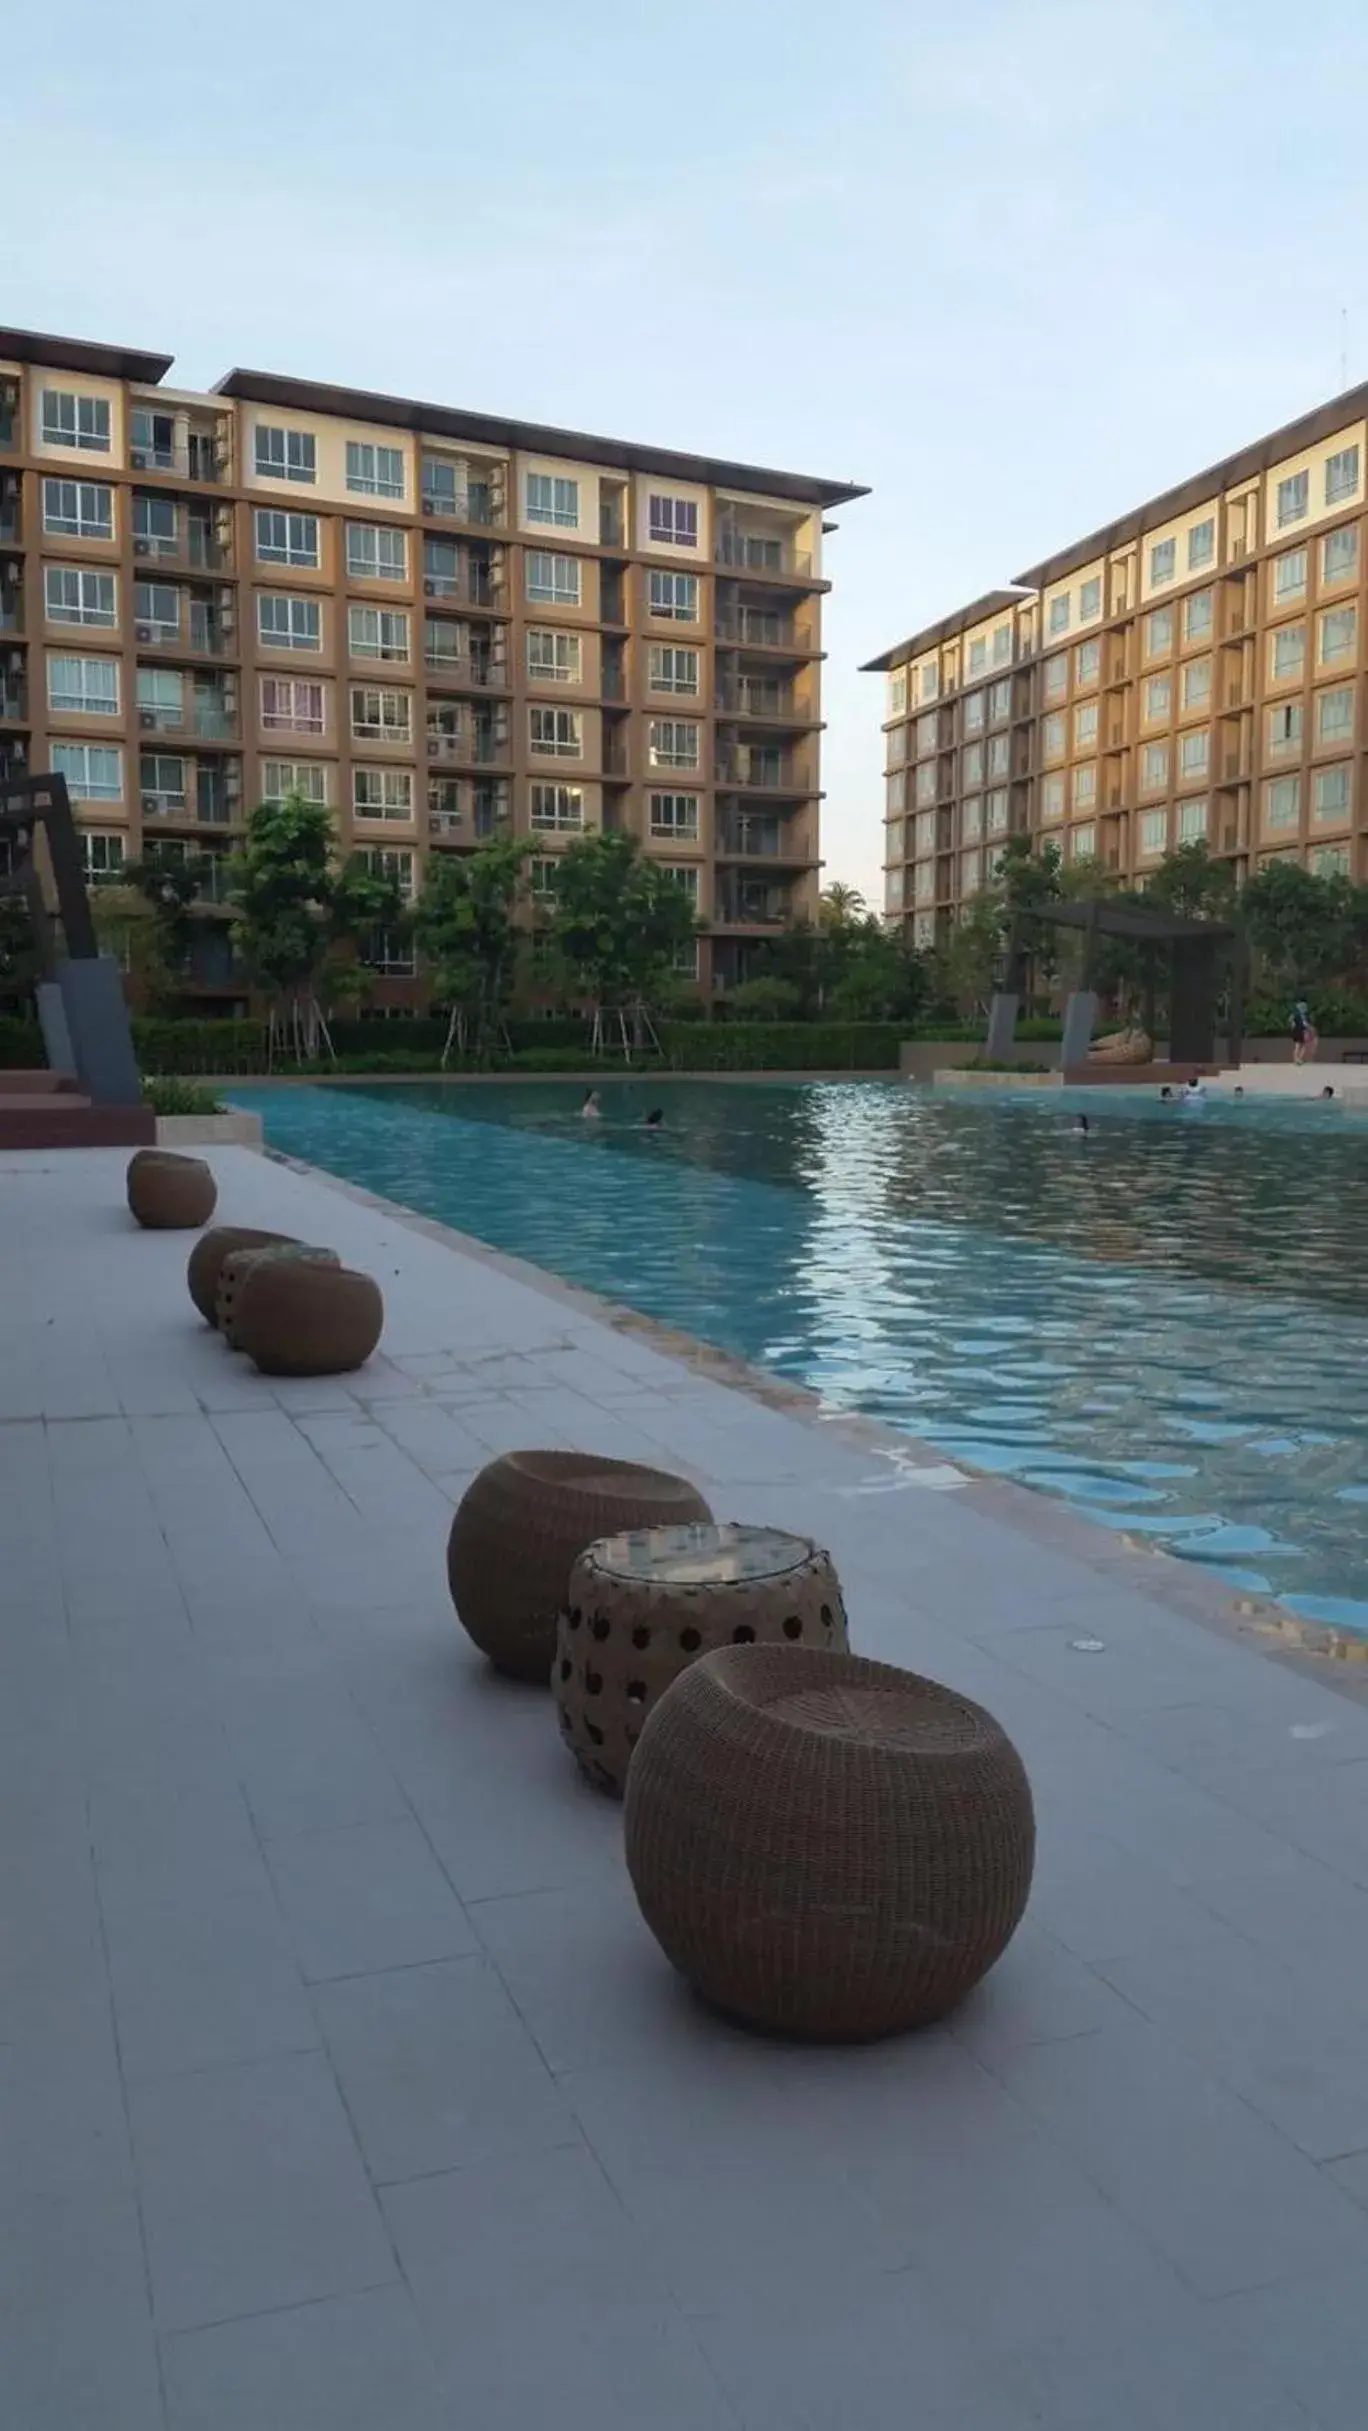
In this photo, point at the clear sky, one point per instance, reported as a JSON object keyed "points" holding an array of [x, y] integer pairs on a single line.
{"points": [[1014, 263]]}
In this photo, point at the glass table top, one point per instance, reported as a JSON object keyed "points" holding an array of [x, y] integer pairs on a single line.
{"points": [[724, 1553]]}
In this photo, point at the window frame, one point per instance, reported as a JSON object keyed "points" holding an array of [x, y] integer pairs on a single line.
{"points": [[292, 549], [664, 515], [293, 601], [81, 703], [554, 732], [679, 584], [297, 458], [557, 512], [390, 655], [282, 716], [547, 820], [392, 721], [552, 671], [92, 440], [659, 651], [80, 786], [556, 560], [82, 620], [372, 484], [1293, 501], [366, 566], [656, 754], [81, 526], [1345, 489]]}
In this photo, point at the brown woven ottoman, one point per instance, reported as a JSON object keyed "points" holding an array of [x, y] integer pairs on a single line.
{"points": [[641, 1608], [298, 1316], [170, 1193], [825, 1846], [240, 1263], [208, 1254], [520, 1525]]}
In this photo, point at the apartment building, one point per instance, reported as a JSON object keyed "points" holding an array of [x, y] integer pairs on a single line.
{"points": [[1194, 672], [440, 624]]}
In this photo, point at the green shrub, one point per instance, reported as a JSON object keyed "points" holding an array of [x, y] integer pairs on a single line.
{"points": [[172, 1096], [21, 1045], [782, 1046]]}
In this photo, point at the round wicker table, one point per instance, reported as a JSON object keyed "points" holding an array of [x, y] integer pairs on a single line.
{"points": [[642, 1607], [825, 1846]]}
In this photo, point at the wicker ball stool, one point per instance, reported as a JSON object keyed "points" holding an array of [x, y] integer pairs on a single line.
{"points": [[170, 1193], [825, 1846], [519, 1526], [240, 1264], [642, 1607], [207, 1257], [307, 1316]]}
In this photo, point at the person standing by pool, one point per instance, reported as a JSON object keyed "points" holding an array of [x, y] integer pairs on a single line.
{"points": [[591, 1109], [1305, 1038], [1194, 1091]]}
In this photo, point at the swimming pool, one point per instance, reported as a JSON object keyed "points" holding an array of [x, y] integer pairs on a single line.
{"points": [[1166, 1323]]}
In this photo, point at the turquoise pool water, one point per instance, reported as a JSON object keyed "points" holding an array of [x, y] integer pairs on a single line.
{"points": [[1166, 1323]]}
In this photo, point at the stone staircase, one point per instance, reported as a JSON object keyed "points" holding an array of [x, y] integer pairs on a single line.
{"points": [[47, 1110]]}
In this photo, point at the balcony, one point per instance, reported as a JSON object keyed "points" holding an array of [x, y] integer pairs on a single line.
{"points": [[11, 516], [760, 840], [754, 906], [759, 553], [756, 629], [612, 531], [470, 743], [463, 673], [214, 720], [762, 699], [188, 450], [449, 493], [13, 762], [760, 771], [9, 414]]}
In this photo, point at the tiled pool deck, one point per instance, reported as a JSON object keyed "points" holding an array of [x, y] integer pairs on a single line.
{"points": [[341, 2087]]}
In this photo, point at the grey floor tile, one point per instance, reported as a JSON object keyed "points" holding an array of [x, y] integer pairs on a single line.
{"points": [[438, 2070], [77, 2351], [202, 1978], [583, 1968], [1312, 2339], [1184, 2366], [352, 2363], [366, 1898], [253, 2192]]}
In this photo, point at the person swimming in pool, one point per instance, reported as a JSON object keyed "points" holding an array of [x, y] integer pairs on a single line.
{"points": [[654, 1119], [1194, 1091], [591, 1109], [1082, 1127]]}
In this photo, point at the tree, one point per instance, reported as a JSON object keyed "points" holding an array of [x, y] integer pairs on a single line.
{"points": [[466, 927], [765, 999], [841, 905], [620, 924], [1303, 929], [159, 945], [299, 919], [969, 963], [1191, 884]]}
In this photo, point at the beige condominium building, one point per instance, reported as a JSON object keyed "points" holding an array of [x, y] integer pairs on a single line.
{"points": [[437, 623], [1195, 672]]}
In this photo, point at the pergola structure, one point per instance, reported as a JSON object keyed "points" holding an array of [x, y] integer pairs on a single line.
{"points": [[1195, 950]]}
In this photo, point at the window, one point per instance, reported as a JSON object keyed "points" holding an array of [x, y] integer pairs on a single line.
{"points": [[1055, 676], [553, 658], [1285, 726], [72, 421], [1163, 562], [1085, 724], [897, 692], [1090, 600], [1087, 662], [1338, 635], [1289, 574], [1194, 753], [895, 790], [1201, 544], [1002, 646], [672, 743], [1158, 632], [307, 778], [1158, 698], [1334, 714], [553, 499], [1330, 795], [395, 867], [382, 793], [1053, 735], [927, 781], [999, 755], [1289, 652], [1153, 833], [971, 818], [997, 811], [560, 731], [1085, 787], [971, 872], [378, 472], [1192, 820], [930, 683], [156, 526], [378, 632], [924, 881], [287, 623], [557, 578], [543, 875], [925, 826], [102, 856], [286, 540], [161, 696], [1294, 497], [291, 704], [377, 552], [974, 706], [1154, 766], [89, 687], [284, 455], [161, 780], [1332, 861], [1198, 613], [1341, 475], [1059, 612], [1084, 843], [893, 890], [926, 735], [1282, 802], [978, 656], [999, 703], [93, 771], [84, 510], [673, 522], [1339, 555], [1052, 797], [675, 815], [156, 611], [381, 716], [672, 670], [558, 806], [973, 764], [152, 439], [672, 595], [74, 597], [1197, 683]]}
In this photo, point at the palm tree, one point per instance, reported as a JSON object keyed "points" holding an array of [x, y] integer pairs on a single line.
{"points": [[841, 905]]}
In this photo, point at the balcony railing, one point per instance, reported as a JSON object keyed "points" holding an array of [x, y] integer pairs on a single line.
{"points": [[610, 528], [752, 840], [11, 611], [760, 771], [461, 670], [758, 700], [474, 585], [758, 910], [14, 704], [478, 504], [757, 553], [213, 722]]}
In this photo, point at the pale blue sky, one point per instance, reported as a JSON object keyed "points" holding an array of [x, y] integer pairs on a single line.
{"points": [[1015, 266]]}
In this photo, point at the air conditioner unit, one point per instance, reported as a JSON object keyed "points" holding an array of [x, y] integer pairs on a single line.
{"points": [[151, 803], [137, 457], [430, 588], [434, 744], [144, 633], [429, 503], [142, 548], [147, 717]]}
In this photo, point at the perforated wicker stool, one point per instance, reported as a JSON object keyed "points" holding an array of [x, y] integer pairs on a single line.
{"points": [[308, 1316], [240, 1263], [825, 1846], [207, 1257], [520, 1525], [644, 1606], [169, 1193]]}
